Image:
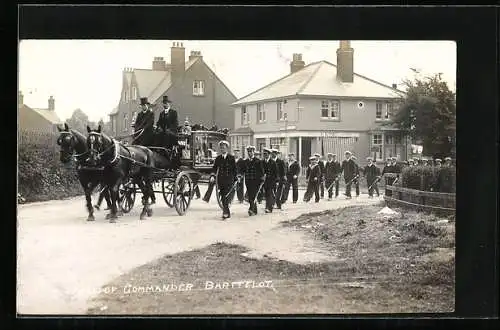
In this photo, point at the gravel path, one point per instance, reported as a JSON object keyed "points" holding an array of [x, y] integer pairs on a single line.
{"points": [[64, 260]]}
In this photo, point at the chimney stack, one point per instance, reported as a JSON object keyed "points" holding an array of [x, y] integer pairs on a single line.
{"points": [[195, 54], [20, 98], [178, 60], [395, 86], [51, 103], [159, 64], [345, 59], [297, 63]]}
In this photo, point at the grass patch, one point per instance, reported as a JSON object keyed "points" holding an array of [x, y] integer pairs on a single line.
{"points": [[385, 265]]}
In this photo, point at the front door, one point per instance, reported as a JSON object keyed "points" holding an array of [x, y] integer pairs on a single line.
{"points": [[306, 151]]}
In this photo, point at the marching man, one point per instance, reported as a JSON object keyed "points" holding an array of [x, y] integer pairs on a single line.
{"points": [[322, 180], [372, 174], [271, 177], [349, 170], [254, 179], [292, 175], [356, 180], [313, 177], [332, 174], [240, 169], [281, 177], [225, 167]]}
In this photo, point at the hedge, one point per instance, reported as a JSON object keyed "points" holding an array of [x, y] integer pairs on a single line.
{"points": [[41, 175], [429, 178]]}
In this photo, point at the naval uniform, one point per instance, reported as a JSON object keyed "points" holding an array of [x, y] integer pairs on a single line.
{"points": [[349, 169], [293, 169], [321, 165], [271, 172], [332, 174], [253, 173], [281, 177], [240, 169], [226, 176], [313, 177], [371, 174]]}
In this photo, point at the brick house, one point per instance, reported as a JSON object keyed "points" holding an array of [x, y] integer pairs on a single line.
{"points": [[37, 120], [321, 107], [195, 90]]}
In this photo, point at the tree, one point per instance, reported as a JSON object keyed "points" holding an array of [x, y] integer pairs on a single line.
{"points": [[427, 113], [79, 121]]}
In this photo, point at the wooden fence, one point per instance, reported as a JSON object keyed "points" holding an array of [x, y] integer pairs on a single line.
{"points": [[425, 200]]}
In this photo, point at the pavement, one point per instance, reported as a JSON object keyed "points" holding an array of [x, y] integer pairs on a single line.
{"points": [[63, 260]]}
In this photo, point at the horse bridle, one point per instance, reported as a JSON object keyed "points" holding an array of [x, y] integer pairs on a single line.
{"points": [[72, 145], [92, 137]]}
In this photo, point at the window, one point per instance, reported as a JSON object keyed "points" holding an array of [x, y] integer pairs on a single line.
{"points": [[388, 110], [244, 115], [330, 109], [280, 111], [389, 139], [134, 93], [324, 109], [334, 109], [134, 116], [377, 139], [125, 96], [397, 139], [198, 88], [261, 113], [378, 113], [125, 122]]}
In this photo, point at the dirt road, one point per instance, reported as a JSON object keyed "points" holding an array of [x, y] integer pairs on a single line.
{"points": [[64, 260]]}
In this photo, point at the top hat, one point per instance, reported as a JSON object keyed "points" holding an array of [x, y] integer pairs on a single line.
{"points": [[165, 99], [144, 101]]}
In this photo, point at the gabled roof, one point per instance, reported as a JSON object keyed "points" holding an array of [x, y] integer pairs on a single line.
{"points": [[50, 115], [153, 84], [114, 112], [319, 79], [147, 80]]}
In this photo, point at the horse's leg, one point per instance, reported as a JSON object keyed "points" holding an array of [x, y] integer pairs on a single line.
{"points": [[151, 191], [114, 200], [87, 188], [144, 192]]}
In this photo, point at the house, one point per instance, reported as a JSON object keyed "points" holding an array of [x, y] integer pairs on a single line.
{"points": [[195, 90], [321, 107], [36, 119]]}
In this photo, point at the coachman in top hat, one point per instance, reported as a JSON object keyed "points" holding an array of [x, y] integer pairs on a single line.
{"points": [[168, 122], [143, 126]]}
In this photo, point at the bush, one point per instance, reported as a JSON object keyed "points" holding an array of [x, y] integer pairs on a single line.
{"points": [[428, 177], [41, 176]]}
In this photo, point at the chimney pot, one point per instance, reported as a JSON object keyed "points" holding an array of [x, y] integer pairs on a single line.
{"points": [[395, 86], [297, 63], [51, 103], [345, 59]]}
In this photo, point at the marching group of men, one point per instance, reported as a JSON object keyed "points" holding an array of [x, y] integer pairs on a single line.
{"points": [[270, 178]]}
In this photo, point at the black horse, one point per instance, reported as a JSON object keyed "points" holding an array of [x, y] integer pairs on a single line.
{"points": [[74, 145], [120, 163]]}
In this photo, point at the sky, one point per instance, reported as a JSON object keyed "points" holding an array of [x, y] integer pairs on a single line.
{"points": [[87, 74]]}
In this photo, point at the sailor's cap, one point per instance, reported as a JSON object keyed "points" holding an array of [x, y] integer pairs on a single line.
{"points": [[224, 142], [369, 158], [251, 148], [267, 150], [317, 155], [348, 152], [312, 158], [447, 158]]}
